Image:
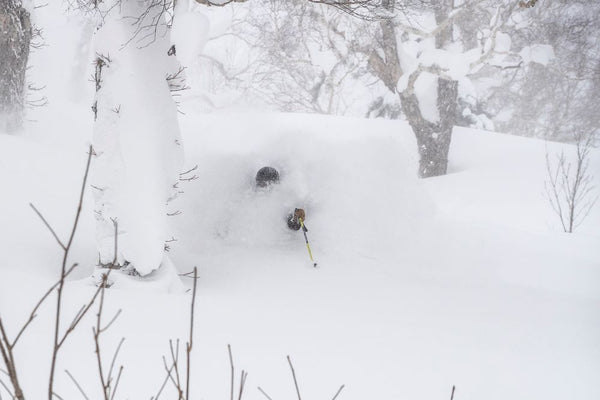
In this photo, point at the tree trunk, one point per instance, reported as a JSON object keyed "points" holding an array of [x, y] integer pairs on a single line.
{"points": [[15, 38], [433, 139], [137, 145]]}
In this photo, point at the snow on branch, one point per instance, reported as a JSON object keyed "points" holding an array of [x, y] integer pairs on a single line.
{"points": [[456, 12]]}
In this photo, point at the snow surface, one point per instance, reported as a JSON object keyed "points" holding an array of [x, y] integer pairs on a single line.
{"points": [[459, 280], [464, 279]]}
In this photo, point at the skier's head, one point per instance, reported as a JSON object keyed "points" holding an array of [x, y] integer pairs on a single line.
{"points": [[266, 176]]}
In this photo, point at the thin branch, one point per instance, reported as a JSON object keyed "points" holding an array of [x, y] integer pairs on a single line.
{"points": [[39, 303], [111, 322], [191, 338], [175, 358], [7, 389], [48, 226], [294, 375], [338, 392], [242, 384], [164, 382], [77, 384], [232, 370], [264, 393], [117, 382], [189, 170], [169, 375], [112, 364], [66, 249]]}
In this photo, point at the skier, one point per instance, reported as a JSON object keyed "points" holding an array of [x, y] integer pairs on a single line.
{"points": [[267, 176], [295, 221]]}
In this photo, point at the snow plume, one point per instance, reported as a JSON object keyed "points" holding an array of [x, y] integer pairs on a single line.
{"points": [[136, 137]]}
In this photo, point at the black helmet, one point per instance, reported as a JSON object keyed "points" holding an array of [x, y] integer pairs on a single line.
{"points": [[266, 176]]}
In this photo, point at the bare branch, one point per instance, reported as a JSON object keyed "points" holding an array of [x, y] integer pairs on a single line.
{"points": [[66, 248], [39, 303], [191, 337], [232, 370], [294, 375], [264, 393], [242, 383], [77, 384], [48, 226], [338, 392]]}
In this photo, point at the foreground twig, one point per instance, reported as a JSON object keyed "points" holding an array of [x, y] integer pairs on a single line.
{"points": [[294, 375], [77, 385], [58, 342], [172, 371], [9, 361], [191, 338], [108, 390], [296, 384], [6, 345], [338, 392], [263, 392], [243, 377], [232, 370]]}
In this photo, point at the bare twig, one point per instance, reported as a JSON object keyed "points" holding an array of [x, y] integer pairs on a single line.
{"points": [[191, 338], [338, 392], [242, 384], [77, 384], [7, 345], [48, 226], [61, 284], [294, 375], [452, 395], [12, 396], [117, 382], [232, 370], [189, 170], [9, 361], [175, 358], [164, 382], [39, 303], [107, 389], [569, 186], [264, 393]]}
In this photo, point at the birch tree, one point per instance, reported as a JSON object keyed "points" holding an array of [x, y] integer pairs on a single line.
{"points": [[137, 146], [15, 40], [422, 56]]}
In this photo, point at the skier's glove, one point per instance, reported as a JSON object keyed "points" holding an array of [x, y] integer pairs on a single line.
{"points": [[299, 214]]}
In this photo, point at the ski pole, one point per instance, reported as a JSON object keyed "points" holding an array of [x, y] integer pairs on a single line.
{"points": [[304, 230]]}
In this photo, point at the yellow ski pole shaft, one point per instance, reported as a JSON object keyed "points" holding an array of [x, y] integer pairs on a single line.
{"points": [[307, 244]]}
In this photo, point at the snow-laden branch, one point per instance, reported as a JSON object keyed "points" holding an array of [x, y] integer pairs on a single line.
{"points": [[456, 12]]}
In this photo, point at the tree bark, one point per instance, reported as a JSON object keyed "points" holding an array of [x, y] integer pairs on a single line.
{"points": [[15, 39], [433, 139]]}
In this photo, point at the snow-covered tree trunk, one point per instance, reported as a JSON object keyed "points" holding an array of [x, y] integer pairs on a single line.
{"points": [[433, 134], [433, 139], [15, 39], [137, 146]]}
